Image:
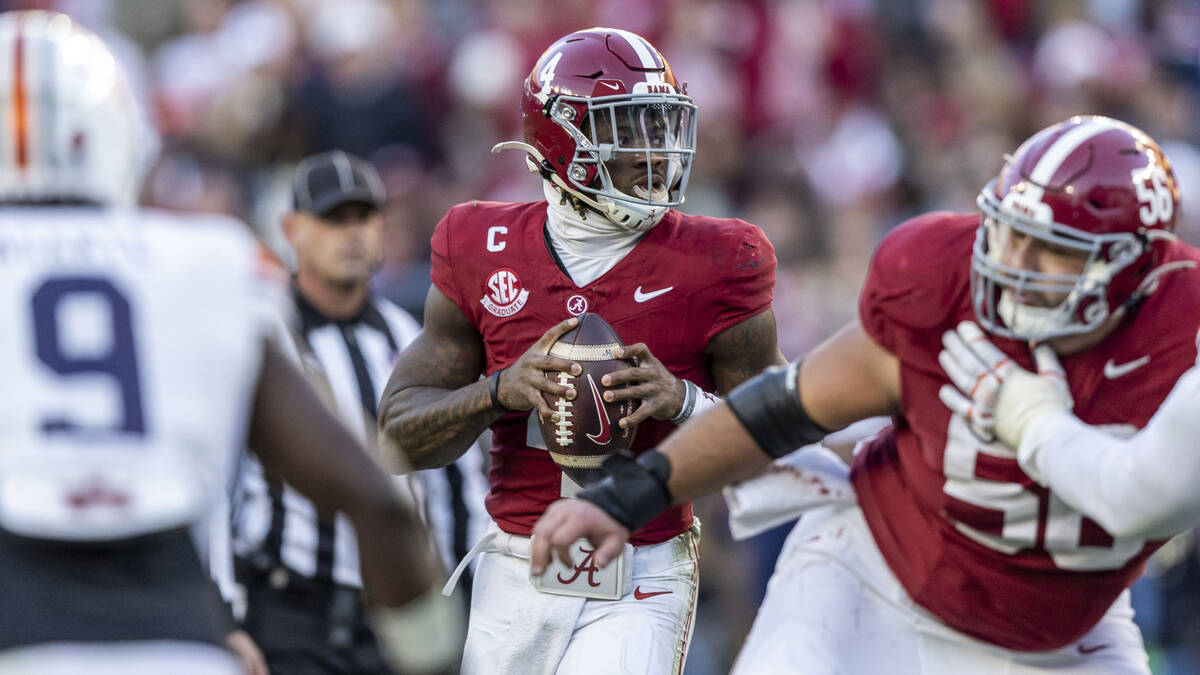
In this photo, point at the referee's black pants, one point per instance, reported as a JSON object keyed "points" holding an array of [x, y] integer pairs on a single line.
{"points": [[307, 628]]}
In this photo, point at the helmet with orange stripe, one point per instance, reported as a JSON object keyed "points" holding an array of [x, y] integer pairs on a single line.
{"points": [[71, 129]]}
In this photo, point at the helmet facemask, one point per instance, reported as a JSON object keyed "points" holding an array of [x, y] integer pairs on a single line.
{"points": [[643, 142], [1001, 292]]}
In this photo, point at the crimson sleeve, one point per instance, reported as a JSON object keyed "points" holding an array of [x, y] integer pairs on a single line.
{"points": [[911, 283], [747, 284], [442, 272]]}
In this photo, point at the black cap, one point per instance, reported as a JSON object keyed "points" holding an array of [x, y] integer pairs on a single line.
{"points": [[325, 181]]}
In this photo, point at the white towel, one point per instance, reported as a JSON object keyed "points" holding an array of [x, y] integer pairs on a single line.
{"points": [[810, 477]]}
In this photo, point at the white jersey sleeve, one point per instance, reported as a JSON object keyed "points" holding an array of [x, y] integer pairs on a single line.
{"points": [[1144, 486]]}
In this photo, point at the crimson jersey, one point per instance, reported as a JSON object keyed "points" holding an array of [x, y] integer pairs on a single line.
{"points": [[971, 537], [688, 279]]}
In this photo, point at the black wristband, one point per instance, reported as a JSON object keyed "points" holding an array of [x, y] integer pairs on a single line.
{"points": [[769, 407], [635, 491], [494, 390]]}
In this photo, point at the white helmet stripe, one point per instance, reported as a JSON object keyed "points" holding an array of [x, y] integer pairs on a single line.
{"points": [[46, 118], [1062, 148], [646, 53], [39, 79]]}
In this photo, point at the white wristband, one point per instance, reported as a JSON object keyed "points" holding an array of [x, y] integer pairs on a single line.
{"points": [[424, 635], [695, 401]]}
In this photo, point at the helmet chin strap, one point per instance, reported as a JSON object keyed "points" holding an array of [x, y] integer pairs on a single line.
{"points": [[1026, 319], [629, 217], [634, 217], [1033, 320]]}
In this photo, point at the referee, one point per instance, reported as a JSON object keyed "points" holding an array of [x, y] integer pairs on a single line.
{"points": [[299, 567]]}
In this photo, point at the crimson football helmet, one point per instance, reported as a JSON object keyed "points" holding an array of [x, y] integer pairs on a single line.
{"points": [[1092, 187], [601, 97]]}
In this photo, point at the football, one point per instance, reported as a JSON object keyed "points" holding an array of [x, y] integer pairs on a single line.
{"points": [[586, 431]]}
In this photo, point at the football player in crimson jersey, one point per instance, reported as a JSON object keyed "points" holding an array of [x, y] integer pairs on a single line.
{"points": [[952, 559], [137, 360], [611, 132]]}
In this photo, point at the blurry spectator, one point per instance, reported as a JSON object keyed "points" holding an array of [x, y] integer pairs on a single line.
{"points": [[360, 93]]}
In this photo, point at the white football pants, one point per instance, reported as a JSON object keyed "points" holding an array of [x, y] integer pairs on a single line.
{"points": [[120, 658], [515, 628], [834, 606]]}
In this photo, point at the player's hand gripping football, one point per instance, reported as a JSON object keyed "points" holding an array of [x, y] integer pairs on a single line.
{"points": [[996, 397], [661, 392], [522, 383], [566, 521]]}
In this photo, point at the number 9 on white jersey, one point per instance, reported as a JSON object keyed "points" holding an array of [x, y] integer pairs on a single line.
{"points": [[131, 344]]}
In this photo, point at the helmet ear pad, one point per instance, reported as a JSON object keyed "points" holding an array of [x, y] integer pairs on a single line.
{"points": [[81, 134], [552, 140], [1090, 184]]}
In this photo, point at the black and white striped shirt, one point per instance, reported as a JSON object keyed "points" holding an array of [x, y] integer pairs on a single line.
{"points": [[355, 357]]}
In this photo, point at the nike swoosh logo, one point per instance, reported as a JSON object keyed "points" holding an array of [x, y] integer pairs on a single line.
{"points": [[601, 413], [639, 296], [639, 595], [610, 85], [1093, 648], [1112, 371]]}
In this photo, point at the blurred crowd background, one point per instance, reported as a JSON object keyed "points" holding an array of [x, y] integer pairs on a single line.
{"points": [[825, 122]]}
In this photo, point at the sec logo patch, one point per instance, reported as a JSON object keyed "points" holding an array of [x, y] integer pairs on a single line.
{"points": [[503, 294]]}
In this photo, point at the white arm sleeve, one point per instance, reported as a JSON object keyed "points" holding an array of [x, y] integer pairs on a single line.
{"points": [[1146, 486]]}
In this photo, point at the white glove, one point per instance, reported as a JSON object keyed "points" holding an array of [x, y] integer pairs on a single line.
{"points": [[425, 635], [996, 397]]}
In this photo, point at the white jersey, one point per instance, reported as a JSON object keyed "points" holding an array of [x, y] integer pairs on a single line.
{"points": [[131, 343]]}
